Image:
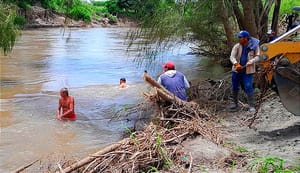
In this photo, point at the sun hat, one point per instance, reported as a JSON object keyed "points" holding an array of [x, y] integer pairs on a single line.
{"points": [[243, 33], [169, 65]]}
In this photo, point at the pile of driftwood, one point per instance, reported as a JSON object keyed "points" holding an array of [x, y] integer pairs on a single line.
{"points": [[156, 146]]}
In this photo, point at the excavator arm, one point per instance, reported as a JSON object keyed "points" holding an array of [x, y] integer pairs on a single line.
{"points": [[281, 60]]}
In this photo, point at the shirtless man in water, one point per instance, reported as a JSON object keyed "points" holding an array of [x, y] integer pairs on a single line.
{"points": [[65, 110], [123, 83]]}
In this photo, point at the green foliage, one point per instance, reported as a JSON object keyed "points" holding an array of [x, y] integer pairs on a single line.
{"points": [[80, 12], [20, 21], [268, 164], [202, 169], [112, 17], [99, 3], [163, 153], [170, 24], [132, 136], [206, 26], [112, 7], [241, 149], [287, 5], [233, 164], [57, 5], [161, 28], [153, 169], [8, 29]]}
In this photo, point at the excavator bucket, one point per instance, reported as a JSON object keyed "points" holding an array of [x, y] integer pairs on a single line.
{"points": [[287, 79]]}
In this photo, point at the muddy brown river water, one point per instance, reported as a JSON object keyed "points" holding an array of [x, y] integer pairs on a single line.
{"points": [[90, 63]]}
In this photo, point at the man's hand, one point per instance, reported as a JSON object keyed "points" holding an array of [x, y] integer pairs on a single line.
{"points": [[250, 62], [58, 115], [238, 67]]}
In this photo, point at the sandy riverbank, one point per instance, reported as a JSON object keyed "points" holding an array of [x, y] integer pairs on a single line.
{"points": [[275, 133]]}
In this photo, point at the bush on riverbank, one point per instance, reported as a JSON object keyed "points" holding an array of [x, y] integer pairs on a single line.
{"points": [[74, 9], [8, 30]]}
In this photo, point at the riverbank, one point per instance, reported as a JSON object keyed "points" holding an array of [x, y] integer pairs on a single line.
{"points": [[38, 17], [271, 133], [274, 134]]}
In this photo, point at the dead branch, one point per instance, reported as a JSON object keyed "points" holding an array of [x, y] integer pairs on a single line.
{"points": [[26, 166], [91, 158]]}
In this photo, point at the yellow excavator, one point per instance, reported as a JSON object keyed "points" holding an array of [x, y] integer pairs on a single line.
{"points": [[281, 60]]}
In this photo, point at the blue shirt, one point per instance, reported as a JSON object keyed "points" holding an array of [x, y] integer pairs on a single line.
{"points": [[175, 82], [244, 56]]}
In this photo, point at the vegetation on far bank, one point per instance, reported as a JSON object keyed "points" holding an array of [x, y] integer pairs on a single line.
{"points": [[210, 24]]}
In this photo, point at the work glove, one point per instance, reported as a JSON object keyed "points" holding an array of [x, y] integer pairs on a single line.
{"points": [[250, 62], [238, 67]]}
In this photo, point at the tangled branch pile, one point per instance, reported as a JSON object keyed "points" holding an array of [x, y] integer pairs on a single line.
{"points": [[154, 148], [151, 149]]}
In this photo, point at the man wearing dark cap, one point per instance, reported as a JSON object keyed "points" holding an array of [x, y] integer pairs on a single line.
{"points": [[243, 56], [174, 81]]}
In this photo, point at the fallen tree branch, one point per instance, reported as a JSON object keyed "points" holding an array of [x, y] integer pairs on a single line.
{"points": [[26, 166], [91, 158]]}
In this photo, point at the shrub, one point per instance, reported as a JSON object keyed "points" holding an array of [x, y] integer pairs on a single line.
{"points": [[80, 13], [20, 21]]}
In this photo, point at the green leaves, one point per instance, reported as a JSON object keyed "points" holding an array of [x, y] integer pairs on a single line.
{"points": [[8, 29], [268, 164]]}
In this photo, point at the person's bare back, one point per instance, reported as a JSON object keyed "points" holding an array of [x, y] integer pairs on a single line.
{"points": [[65, 110]]}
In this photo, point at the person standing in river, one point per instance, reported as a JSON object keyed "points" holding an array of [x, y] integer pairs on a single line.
{"points": [[243, 56], [174, 81], [65, 110]]}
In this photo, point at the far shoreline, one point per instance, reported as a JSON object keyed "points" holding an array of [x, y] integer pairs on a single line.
{"points": [[38, 17]]}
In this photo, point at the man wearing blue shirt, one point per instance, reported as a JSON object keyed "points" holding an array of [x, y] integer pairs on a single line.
{"points": [[174, 81], [243, 56]]}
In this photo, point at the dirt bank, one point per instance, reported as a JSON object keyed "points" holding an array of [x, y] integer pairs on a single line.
{"points": [[275, 133]]}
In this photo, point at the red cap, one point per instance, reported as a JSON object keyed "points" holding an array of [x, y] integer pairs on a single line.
{"points": [[169, 65]]}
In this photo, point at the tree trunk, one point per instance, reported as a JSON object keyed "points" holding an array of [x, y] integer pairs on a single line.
{"points": [[238, 14], [249, 17], [275, 17], [224, 15]]}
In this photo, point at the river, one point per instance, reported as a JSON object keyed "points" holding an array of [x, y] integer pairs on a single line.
{"points": [[90, 63]]}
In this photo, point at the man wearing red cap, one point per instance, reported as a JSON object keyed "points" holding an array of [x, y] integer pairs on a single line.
{"points": [[174, 81]]}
